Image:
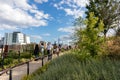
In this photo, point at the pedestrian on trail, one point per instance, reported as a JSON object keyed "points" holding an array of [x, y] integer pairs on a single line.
{"points": [[36, 51], [49, 50], [60, 46], [57, 51], [42, 49], [54, 48]]}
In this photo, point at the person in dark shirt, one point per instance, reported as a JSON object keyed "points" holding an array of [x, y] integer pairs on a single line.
{"points": [[36, 50]]}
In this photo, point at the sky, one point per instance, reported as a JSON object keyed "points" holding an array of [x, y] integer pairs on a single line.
{"points": [[45, 20]]}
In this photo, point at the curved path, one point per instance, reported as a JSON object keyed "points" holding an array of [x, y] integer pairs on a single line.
{"points": [[20, 71]]}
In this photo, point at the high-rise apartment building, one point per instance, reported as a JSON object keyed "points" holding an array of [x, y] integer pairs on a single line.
{"points": [[16, 38]]}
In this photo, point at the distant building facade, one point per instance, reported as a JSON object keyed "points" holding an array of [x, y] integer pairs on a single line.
{"points": [[13, 41], [1, 42], [16, 38]]}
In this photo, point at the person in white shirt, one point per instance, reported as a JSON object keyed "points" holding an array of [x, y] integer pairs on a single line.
{"points": [[42, 49], [49, 50], [57, 51]]}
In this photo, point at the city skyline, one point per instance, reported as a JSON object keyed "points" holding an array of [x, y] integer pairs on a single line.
{"points": [[47, 20]]}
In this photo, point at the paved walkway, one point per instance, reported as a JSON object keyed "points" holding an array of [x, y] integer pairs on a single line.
{"points": [[20, 71]]}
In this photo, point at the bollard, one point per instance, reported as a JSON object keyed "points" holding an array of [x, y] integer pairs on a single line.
{"points": [[10, 75], [42, 61], [27, 68]]}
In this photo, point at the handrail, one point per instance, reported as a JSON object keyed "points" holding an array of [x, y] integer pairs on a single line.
{"points": [[8, 69]]}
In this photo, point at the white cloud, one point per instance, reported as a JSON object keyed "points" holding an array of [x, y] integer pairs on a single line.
{"points": [[4, 26], [46, 34], [36, 37], [23, 4], [74, 12], [41, 1], [67, 29], [40, 15], [64, 37], [72, 7], [16, 14]]}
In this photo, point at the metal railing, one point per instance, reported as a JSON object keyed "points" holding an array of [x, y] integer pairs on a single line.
{"points": [[28, 66]]}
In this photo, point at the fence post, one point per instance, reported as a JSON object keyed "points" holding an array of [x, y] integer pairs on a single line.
{"points": [[19, 56], [42, 61], [51, 56], [48, 57], [10, 75], [2, 61], [27, 68]]}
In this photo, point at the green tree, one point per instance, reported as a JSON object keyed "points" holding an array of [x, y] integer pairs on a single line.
{"points": [[88, 38], [78, 23], [106, 10]]}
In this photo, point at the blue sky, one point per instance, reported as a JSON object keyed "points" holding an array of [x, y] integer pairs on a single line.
{"points": [[40, 19]]}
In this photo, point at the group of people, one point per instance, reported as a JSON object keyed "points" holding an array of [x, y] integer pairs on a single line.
{"points": [[50, 49]]}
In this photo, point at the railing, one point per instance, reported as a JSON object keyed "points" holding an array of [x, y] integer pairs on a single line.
{"points": [[28, 69]]}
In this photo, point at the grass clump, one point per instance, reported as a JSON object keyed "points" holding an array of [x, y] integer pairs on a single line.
{"points": [[36, 73], [69, 67]]}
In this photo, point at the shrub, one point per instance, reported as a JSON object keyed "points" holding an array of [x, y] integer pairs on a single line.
{"points": [[0, 63], [113, 47], [8, 61], [26, 55], [88, 38], [12, 54]]}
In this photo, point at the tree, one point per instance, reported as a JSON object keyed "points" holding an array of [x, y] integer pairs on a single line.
{"points": [[88, 38], [118, 32], [106, 10], [78, 23]]}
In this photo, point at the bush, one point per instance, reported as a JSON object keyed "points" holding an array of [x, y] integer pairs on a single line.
{"points": [[8, 61], [113, 47], [26, 55], [12, 54], [0, 63]]}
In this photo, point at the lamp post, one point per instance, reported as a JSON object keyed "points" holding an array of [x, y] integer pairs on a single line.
{"points": [[58, 41]]}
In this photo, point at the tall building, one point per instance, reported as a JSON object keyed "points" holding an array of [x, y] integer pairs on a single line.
{"points": [[27, 39], [8, 39], [1, 42], [16, 38]]}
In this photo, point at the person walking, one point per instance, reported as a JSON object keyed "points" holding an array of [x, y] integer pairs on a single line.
{"points": [[42, 49], [57, 51], [49, 50], [54, 48], [36, 51]]}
